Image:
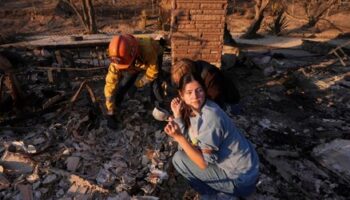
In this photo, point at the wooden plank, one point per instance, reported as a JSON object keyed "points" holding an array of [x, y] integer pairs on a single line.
{"points": [[50, 75], [52, 42], [71, 68], [339, 58], [26, 191]]}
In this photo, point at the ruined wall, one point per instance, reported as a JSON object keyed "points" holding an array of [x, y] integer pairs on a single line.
{"points": [[197, 29]]}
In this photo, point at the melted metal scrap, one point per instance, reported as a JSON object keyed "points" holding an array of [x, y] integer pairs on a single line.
{"points": [[157, 176], [16, 163]]}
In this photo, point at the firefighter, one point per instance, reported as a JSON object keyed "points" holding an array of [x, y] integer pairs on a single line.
{"points": [[135, 62]]}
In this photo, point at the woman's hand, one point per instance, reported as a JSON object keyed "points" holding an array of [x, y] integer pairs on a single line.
{"points": [[173, 130], [176, 106]]}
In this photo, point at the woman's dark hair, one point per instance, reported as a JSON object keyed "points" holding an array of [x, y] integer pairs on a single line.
{"points": [[187, 112], [189, 77]]}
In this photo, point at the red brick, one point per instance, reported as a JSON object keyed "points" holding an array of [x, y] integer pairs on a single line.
{"points": [[179, 41], [216, 6], [212, 34], [216, 31], [199, 30], [208, 22], [207, 17], [196, 12], [191, 51], [210, 38], [186, 26], [181, 5], [195, 56], [211, 1], [193, 34], [185, 22], [211, 56], [214, 56], [194, 43], [187, 55], [184, 1], [189, 31], [176, 37], [190, 35], [214, 12], [179, 51], [214, 52], [179, 47], [178, 55], [212, 26], [203, 51], [213, 39], [212, 43]]}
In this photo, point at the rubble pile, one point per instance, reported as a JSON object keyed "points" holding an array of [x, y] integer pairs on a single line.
{"points": [[291, 115], [64, 148], [297, 117]]}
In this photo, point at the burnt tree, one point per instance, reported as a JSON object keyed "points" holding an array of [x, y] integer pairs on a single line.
{"points": [[279, 22], [315, 9], [86, 15], [260, 7]]}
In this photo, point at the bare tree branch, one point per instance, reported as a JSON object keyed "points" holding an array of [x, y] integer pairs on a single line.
{"points": [[76, 10], [91, 16], [87, 16], [314, 10], [260, 7], [86, 19]]}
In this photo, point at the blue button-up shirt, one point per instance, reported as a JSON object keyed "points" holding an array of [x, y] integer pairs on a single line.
{"points": [[213, 129]]}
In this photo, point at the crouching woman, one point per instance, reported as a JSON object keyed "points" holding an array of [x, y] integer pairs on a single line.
{"points": [[216, 159]]}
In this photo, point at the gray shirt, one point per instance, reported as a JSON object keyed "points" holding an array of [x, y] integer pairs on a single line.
{"points": [[213, 129]]}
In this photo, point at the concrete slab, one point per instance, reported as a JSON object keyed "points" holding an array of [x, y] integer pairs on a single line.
{"points": [[285, 42], [335, 156]]}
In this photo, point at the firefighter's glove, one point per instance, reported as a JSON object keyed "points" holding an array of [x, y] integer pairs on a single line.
{"points": [[142, 82], [112, 123]]}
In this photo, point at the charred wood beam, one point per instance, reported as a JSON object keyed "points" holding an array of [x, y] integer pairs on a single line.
{"points": [[97, 106], [15, 129], [50, 102], [91, 93], [27, 115], [1, 83], [340, 53], [67, 42], [70, 68]]}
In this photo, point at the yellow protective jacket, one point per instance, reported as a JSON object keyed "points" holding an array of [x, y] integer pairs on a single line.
{"points": [[147, 62]]}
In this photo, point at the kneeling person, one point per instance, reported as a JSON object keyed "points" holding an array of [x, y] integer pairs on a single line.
{"points": [[219, 87], [129, 57], [217, 160]]}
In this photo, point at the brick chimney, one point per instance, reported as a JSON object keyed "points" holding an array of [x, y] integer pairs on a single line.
{"points": [[197, 28]]}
